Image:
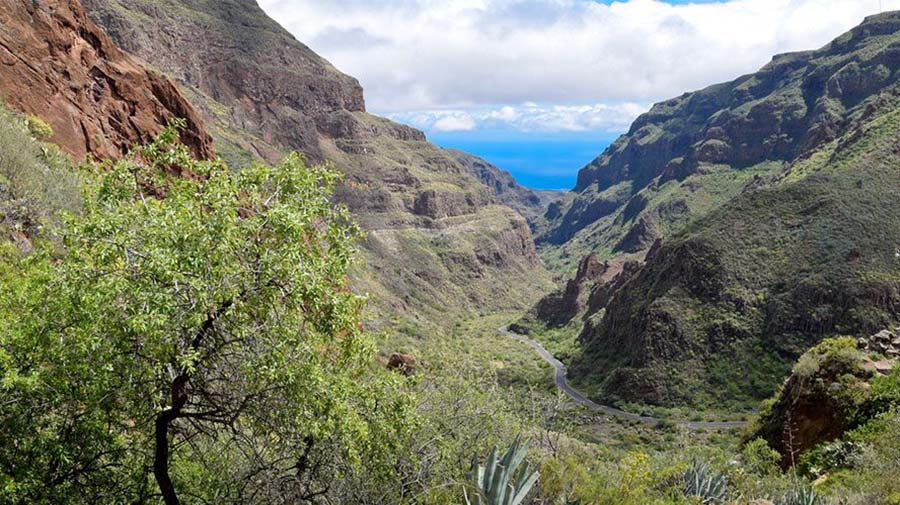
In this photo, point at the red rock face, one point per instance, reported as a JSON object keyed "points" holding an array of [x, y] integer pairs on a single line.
{"points": [[57, 64], [272, 86]]}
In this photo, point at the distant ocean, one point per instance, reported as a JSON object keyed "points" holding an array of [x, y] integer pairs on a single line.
{"points": [[536, 160]]}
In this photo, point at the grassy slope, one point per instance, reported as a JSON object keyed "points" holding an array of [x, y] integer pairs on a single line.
{"points": [[669, 206], [37, 182]]}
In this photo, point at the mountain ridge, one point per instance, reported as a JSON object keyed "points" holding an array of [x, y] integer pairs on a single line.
{"points": [[792, 105], [441, 227], [769, 231]]}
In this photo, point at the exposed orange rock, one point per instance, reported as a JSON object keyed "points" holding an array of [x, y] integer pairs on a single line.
{"points": [[57, 64]]}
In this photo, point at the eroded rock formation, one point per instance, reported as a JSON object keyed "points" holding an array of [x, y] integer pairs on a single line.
{"points": [[57, 64]]}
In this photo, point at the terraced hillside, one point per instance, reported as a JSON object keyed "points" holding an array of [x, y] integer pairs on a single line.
{"points": [[440, 241]]}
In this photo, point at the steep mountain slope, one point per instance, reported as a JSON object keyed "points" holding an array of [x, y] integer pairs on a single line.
{"points": [[440, 242], [776, 197], [690, 154], [256, 78], [722, 310], [57, 64], [528, 202]]}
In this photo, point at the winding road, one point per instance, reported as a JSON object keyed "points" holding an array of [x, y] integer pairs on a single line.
{"points": [[563, 385]]}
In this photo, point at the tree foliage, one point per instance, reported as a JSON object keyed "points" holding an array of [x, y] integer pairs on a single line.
{"points": [[759, 458], [196, 340]]}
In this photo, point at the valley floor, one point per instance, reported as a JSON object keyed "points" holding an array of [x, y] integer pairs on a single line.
{"points": [[536, 387], [575, 395]]}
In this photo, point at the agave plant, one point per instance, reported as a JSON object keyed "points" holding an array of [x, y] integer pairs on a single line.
{"points": [[801, 495], [705, 483], [502, 482]]}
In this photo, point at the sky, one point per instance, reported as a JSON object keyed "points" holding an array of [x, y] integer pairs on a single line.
{"points": [[541, 87]]}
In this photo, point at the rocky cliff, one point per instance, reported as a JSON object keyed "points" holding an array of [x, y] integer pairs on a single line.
{"points": [[441, 237], [271, 85], [57, 64], [528, 202], [584, 295], [774, 196], [689, 154]]}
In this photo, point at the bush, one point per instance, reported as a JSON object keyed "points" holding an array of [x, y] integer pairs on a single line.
{"points": [[838, 353], [886, 389], [38, 128], [36, 180], [759, 458], [828, 457]]}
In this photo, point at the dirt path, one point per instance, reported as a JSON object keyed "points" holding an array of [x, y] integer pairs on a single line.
{"points": [[563, 385]]}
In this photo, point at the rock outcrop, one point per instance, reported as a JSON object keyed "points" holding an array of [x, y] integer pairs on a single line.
{"points": [[583, 296], [828, 393], [560, 307], [440, 238], [402, 363], [57, 64], [886, 342]]}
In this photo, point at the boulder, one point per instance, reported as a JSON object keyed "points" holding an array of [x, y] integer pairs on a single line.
{"points": [[403, 363], [885, 342]]}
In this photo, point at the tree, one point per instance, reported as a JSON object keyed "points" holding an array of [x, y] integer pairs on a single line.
{"points": [[198, 327]]}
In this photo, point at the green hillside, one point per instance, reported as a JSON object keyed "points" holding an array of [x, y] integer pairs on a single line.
{"points": [[720, 311], [37, 181]]}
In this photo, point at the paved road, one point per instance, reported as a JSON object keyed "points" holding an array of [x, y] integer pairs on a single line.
{"points": [[563, 385]]}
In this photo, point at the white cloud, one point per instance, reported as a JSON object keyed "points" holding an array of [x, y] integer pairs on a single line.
{"points": [[471, 55], [528, 117], [455, 122]]}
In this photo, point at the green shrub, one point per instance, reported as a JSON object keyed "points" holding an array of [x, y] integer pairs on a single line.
{"points": [[886, 388], [759, 458], [38, 128], [828, 457], [839, 353], [36, 180]]}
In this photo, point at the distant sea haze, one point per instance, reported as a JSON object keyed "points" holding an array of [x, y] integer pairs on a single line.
{"points": [[537, 160]]}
